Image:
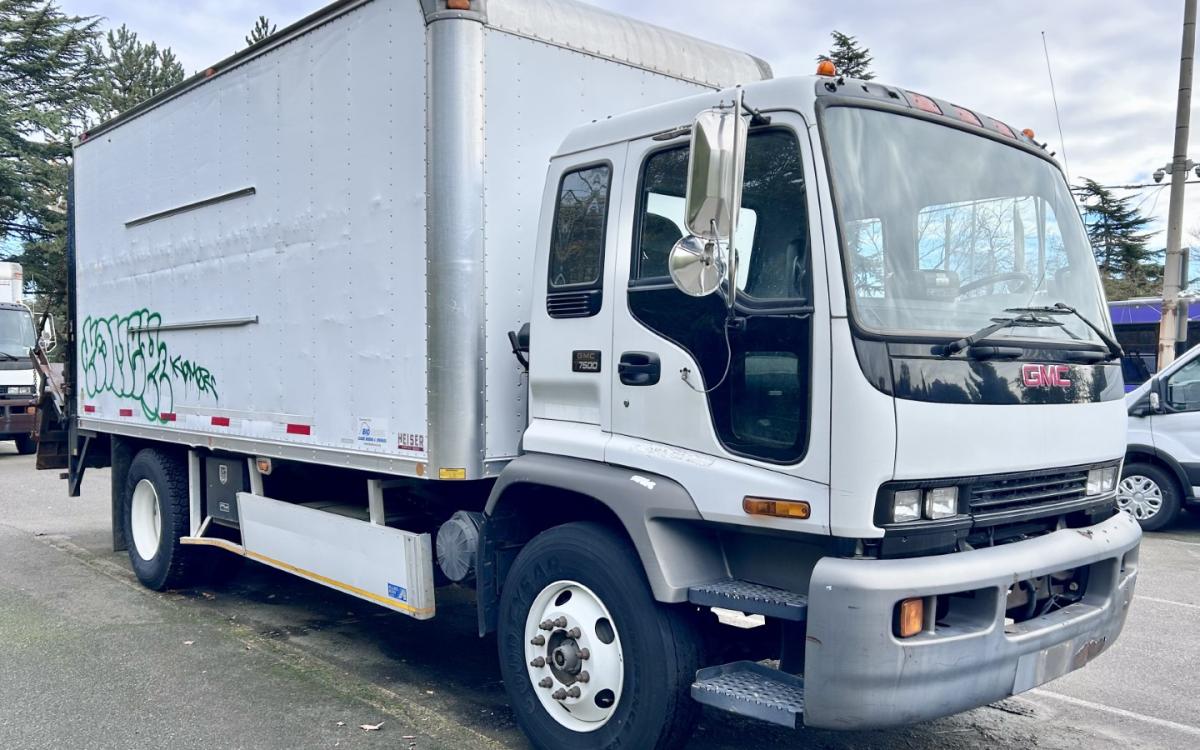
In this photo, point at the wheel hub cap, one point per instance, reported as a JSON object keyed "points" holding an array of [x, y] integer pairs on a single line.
{"points": [[1139, 496], [145, 520], [574, 657]]}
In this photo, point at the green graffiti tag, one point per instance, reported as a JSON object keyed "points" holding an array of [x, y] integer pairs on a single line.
{"points": [[126, 356]]}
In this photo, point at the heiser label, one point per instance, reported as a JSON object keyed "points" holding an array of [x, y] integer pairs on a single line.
{"points": [[585, 360]]}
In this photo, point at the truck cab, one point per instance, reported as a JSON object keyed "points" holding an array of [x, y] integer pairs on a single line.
{"points": [[18, 380], [895, 403]]}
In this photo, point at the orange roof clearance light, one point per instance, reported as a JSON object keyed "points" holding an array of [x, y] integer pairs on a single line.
{"points": [[1028, 133], [458, 4], [826, 68]]}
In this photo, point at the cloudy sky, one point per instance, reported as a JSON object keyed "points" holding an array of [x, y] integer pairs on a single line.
{"points": [[1115, 62]]}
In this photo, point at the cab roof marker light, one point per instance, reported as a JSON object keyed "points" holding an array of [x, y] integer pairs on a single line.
{"points": [[1002, 128], [924, 103], [826, 68], [967, 116]]}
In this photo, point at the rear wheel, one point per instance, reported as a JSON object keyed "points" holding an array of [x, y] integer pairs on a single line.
{"points": [[156, 518], [1149, 494], [26, 445], [589, 659]]}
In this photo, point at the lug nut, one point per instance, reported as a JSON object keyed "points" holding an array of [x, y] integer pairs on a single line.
{"points": [[538, 640], [546, 682], [574, 692], [585, 654], [547, 625], [584, 677], [559, 695], [574, 633], [561, 622], [538, 662]]}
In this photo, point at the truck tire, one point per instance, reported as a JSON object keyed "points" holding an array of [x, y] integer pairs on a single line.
{"points": [[156, 517], [576, 601], [26, 445], [1150, 494]]}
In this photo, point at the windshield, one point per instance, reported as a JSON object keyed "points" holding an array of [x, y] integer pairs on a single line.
{"points": [[16, 332], [942, 230]]}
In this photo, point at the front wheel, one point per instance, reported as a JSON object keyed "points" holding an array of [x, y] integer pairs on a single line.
{"points": [[589, 659], [26, 445], [1149, 494]]}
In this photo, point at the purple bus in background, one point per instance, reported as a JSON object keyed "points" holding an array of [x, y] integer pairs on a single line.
{"points": [[1135, 322]]}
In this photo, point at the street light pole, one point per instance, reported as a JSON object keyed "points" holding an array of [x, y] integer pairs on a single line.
{"points": [[1173, 280]]}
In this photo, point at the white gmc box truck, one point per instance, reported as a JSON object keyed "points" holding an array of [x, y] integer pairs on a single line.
{"points": [[827, 353]]}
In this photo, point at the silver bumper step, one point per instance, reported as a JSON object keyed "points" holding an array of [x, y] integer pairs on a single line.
{"points": [[749, 689], [751, 598]]}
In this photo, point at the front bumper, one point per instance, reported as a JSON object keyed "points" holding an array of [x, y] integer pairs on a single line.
{"points": [[15, 420], [858, 675]]}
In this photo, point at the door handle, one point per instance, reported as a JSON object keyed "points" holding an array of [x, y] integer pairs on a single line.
{"points": [[639, 368]]}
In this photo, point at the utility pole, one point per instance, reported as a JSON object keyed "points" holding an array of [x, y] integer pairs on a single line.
{"points": [[1173, 280]]}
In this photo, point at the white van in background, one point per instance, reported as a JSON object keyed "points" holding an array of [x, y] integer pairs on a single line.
{"points": [[1162, 465]]}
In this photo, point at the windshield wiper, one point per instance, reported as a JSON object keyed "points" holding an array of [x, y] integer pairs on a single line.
{"points": [[1059, 308], [8, 357], [1028, 319]]}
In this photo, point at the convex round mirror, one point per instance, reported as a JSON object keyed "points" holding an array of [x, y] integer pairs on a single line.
{"points": [[696, 267]]}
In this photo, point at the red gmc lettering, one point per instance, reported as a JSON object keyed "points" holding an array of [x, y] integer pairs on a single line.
{"points": [[1045, 376]]}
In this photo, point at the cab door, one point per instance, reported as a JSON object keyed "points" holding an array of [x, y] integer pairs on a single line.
{"points": [[687, 375], [571, 323]]}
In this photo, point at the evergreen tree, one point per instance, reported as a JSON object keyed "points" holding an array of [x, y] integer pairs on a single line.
{"points": [[1127, 265], [130, 72], [850, 59], [262, 29], [45, 84]]}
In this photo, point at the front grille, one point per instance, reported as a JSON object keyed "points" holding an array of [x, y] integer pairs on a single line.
{"points": [[1023, 490]]}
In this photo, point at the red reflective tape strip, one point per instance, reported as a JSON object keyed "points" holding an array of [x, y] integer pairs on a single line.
{"points": [[89, 409], [126, 412], [299, 429], [167, 416], [220, 421]]}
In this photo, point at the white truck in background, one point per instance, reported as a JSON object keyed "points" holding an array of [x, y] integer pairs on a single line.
{"points": [[18, 378], [780, 359]]}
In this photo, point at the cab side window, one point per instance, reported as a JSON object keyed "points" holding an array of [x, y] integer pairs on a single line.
{"points": [[1183, 388], [757, 373], [577, 245]]}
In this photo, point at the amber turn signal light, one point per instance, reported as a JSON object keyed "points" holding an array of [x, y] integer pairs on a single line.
{"points": [[910, 617], [761, 506]]}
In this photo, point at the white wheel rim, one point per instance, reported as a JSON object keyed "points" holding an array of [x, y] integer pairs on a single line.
{"points": [[146, 520], [573, 656], [1140, 496]]}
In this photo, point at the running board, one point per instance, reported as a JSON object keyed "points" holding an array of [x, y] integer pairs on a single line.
{"points": [[751, 598], [749, 689]]}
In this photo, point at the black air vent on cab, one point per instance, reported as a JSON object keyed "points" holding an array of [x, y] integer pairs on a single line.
{"points": [[574, 304]]}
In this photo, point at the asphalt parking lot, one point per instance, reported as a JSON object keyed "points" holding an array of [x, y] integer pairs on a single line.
{"points": [[89, 659]]}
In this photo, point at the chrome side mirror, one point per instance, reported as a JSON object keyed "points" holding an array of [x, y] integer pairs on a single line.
{"points": [[716, 165], [696, 267]]}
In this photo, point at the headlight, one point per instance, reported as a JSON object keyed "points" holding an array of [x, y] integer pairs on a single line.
{"points": [[906, 506], [941, 502], [1101, 480], [20, 390]]}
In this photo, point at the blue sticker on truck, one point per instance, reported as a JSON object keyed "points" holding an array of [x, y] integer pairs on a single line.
{"points": [[397, 592]]}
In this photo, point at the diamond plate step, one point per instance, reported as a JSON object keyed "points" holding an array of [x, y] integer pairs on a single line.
{"points": [[749, 689], [751, 598]]}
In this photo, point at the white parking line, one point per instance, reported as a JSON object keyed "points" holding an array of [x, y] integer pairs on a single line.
{"points": [[1141, 598], [1184, 728]]}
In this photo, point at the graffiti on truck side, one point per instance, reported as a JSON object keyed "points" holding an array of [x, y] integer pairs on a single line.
{"points": [[127, 357]]}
